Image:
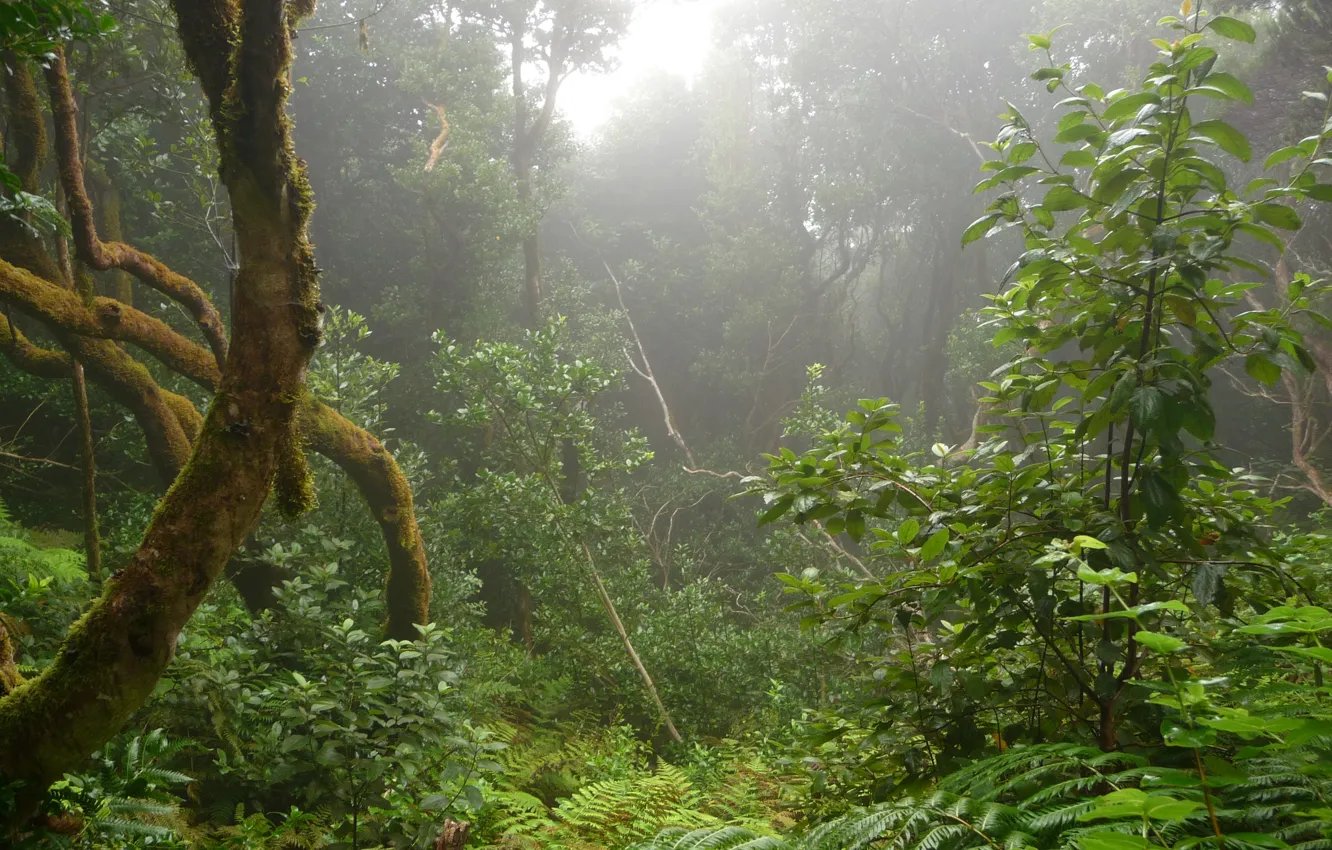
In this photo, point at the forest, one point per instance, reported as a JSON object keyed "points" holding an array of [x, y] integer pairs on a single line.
{"points": [[430, 424]]}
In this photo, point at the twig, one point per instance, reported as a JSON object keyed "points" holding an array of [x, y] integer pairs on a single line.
{"points": [[44, 460], [644, 370]]}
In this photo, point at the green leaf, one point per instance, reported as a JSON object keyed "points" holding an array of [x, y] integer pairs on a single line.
{"points": [[1277, 215], [1129, 105], [1078, 133], [1112, 841], [1209, 583], [980, 227], [1063, 198], [1108, 576], [1147, 405], [1182, 309], [778, 508], [1078, 159], [1282, 155], [1169, 808], [907, 531], [855, 525], [1159, 497], [1317, 653], [1229, 139], [1320, 192], [1262, 369], [1232, 28], [1227, 85], [935, 545], [1123, 391], [1163, 644]]}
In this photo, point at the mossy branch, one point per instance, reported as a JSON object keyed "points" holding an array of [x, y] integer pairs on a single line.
{"points": [[377, 476], [100, 255], [107, 318], [387, 493], [33, 359]]}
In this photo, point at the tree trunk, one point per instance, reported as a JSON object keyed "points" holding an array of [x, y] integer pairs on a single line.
{"points": [[92, 542], [524, 144], [114, 656], [453, 836]]}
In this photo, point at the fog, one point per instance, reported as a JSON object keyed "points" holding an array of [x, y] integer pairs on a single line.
{"points": [[691, 424]]}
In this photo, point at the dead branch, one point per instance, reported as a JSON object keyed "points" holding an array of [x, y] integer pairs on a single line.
{"points": [[441, 141]]}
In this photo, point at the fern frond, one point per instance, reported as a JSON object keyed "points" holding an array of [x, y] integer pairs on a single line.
{"points": [[726, 838]]}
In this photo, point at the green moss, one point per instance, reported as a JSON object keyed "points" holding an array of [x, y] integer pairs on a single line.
{"points": [[294, 485], [9, 674], [26, 126], [299, 10]]}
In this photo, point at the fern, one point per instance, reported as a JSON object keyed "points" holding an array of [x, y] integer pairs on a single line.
{"points": [[1035, 797], [726, 838], [128, 793]]}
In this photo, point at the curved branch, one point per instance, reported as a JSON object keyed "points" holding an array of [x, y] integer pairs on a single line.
{"points": [[129, 382], [362, 457], [33, 359], [372, 468], [100, 255], [106, 318]]}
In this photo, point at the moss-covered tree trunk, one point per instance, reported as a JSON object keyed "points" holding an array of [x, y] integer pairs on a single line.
{"points": [[115, 654]]}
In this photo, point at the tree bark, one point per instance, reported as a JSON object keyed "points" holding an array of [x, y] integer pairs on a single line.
{"points": [[371, 468], [92, 540], [114, 656], [523, 148]]}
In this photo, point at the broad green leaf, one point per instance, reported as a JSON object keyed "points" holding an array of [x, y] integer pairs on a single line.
{"points": [[1182, 309], [1163, 644], [1229, 139], [1129, 105], [1123, 391], [1261, 368], [934, 545], [1062, 198], [980, 227], [855, 525], [1112, 841], [1147, 405], [1282, 155], [1108, 576], [1232, 28], [1169, 808], [1317, 653], [1209, 583], [1078, 159], [1277, 215], [907, 531], [1085, 542], [1228, 85]]}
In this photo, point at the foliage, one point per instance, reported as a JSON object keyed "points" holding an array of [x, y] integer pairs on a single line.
{"points": [[609, 796], [306, 708], [128, 799], [42, 588], [1018, 580]]}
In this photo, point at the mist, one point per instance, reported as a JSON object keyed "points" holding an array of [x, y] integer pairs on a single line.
{"points": [[694, 424]]}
